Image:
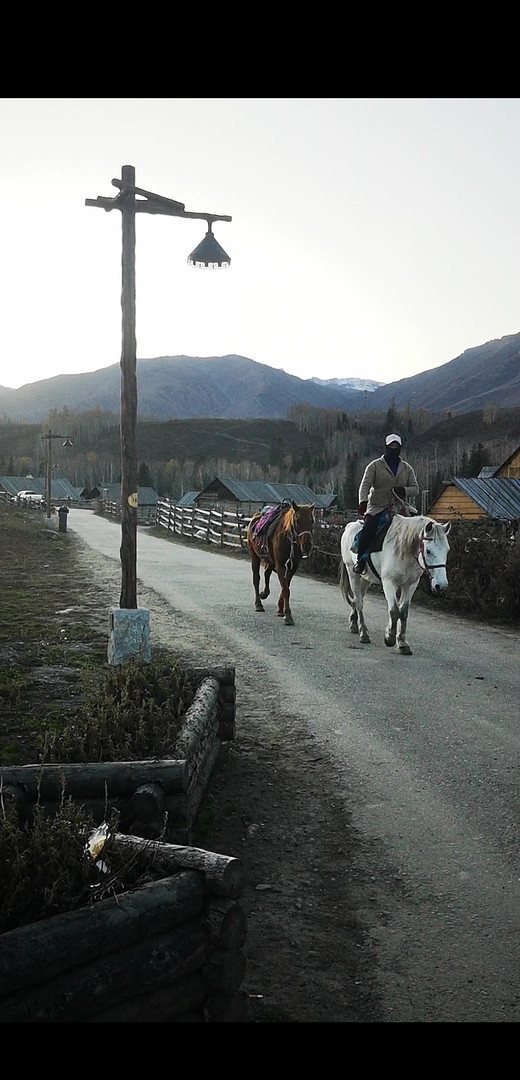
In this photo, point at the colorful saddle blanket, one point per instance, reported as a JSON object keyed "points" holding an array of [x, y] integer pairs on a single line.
{"points": [[267, 517], [261, 530]]}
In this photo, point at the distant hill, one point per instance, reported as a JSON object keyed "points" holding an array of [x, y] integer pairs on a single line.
{"points": [[235, 387], [487, 374], [180, 387]]}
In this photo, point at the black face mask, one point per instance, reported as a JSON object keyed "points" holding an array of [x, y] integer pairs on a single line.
{"points": [[391, 454]]}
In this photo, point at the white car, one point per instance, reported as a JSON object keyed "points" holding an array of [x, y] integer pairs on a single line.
{"points": [[30, 496]]}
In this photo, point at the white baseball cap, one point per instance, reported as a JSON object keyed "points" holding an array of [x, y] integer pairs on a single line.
{"points": [[393, 438]]}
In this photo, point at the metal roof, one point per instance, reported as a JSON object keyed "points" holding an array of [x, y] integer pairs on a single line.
{"points": [[487, 471], [325, 500], [188, 499], [146, 496], [60, 489], [260, 492], [498, 496]]}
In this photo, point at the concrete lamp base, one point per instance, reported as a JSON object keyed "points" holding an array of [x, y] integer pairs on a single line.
{"points": [[129, 635]]}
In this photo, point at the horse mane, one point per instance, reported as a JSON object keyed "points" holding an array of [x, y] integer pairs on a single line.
{"points": [[407, 530], [291, 513], [287, 519]]}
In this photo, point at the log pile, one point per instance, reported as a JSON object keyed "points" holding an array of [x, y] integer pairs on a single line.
{"points": [[155, 799], [170, 950]]}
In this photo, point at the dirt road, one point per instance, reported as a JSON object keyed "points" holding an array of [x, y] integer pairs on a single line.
{"points": [[372, 797]]}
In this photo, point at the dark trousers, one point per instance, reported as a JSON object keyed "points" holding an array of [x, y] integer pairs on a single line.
{"points": [[367, 533]]}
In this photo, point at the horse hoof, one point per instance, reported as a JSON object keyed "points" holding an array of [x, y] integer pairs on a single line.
{"points": [[404, 650], [264, 594], [288, 620], [259, 607], [390, 642], [354, 629], [365, 639]]}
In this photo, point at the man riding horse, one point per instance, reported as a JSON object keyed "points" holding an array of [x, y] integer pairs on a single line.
{"points": [[385, 477]]}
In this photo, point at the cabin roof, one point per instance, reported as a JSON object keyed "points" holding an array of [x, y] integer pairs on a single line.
{"points": [[60, 488], [260, 492], [146, 496], [498, 496]]}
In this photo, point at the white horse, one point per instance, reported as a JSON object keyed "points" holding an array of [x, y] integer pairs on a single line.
{"points": [[413, 546]]}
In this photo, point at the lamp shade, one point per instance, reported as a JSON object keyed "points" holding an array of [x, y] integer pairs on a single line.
{"points": [[209, 253]]}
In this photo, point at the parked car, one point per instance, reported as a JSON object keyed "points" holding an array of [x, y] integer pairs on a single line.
{"points": [[30, 496]]}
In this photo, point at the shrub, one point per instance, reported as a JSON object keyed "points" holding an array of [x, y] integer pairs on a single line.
{"points": [[128, 712], [46, 867]]}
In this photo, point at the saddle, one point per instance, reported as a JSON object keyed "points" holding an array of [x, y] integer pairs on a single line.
{"points": [[385, 519], [262, 529]]}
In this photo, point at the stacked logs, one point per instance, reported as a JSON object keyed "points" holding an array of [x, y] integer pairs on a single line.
{"points": [[170, 950], [154, 799]]}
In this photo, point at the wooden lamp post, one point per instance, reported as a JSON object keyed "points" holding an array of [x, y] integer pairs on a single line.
{"points": [[132, 200], [67, 441]]}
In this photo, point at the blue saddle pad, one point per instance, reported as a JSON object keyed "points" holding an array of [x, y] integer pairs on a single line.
{"points": [[379, 535]]}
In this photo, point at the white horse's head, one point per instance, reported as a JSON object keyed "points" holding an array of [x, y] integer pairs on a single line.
{"points": [[433, 553]]}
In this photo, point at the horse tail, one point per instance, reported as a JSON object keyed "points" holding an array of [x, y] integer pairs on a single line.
{"points": [[344, 583]]}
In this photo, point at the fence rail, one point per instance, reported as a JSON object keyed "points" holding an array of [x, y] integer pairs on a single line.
{"points": [[146, 515], [224, 528]]}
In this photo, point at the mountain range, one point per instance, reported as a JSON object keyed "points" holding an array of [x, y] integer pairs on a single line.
{"points": [[236, 387]]}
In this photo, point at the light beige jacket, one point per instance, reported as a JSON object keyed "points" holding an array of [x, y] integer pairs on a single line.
{"points": [[378, 480]]}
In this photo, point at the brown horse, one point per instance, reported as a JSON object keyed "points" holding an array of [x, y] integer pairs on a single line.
{"points": [[280, 547]]}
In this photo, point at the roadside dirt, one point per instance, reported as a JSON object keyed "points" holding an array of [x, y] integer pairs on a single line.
{"points": [[308, 954], [309, 957]]}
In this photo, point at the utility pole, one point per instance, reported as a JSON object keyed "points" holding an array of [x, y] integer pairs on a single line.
{"points": [[131, 200], [67, 441]]}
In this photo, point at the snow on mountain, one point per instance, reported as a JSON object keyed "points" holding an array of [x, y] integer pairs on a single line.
{"points": [[349, 384]]}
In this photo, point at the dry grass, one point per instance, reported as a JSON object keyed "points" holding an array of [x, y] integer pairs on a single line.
{"points": [[61, 701]]}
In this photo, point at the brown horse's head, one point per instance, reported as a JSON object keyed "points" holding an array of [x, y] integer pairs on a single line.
{"points": [[301, 521]]}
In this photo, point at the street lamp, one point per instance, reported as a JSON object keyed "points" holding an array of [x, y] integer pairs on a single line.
{"points": [[132, 200], [67, 441]]}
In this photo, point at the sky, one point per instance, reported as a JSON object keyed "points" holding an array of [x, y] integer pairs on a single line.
{"points": [[371, 238]]}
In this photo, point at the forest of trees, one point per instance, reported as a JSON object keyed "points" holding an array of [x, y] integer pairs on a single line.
{"points": [[342, 444]]}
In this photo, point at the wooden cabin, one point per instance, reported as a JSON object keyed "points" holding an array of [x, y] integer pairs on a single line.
{"points": [[510, 467], [470, 499], [493, 494], [249, 496]]}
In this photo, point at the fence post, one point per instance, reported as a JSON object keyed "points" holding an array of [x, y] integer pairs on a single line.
{"points": [[239, 523]]}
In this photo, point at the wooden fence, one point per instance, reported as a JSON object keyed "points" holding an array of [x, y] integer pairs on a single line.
{"points": [[224, 528], [146, 515]]}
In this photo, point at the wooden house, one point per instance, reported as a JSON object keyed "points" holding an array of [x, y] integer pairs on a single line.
{"points": [[146, 496], [249, 496], [471, 499], [494, 494], [510, 467], [88, 494]]}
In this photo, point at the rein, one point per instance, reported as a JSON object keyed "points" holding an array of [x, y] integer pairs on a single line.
{"points": [[426, 567], [295, 538]]}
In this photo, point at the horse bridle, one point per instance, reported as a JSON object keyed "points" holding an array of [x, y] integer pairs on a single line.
{"points": [[295, 538], [428, 566]]}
